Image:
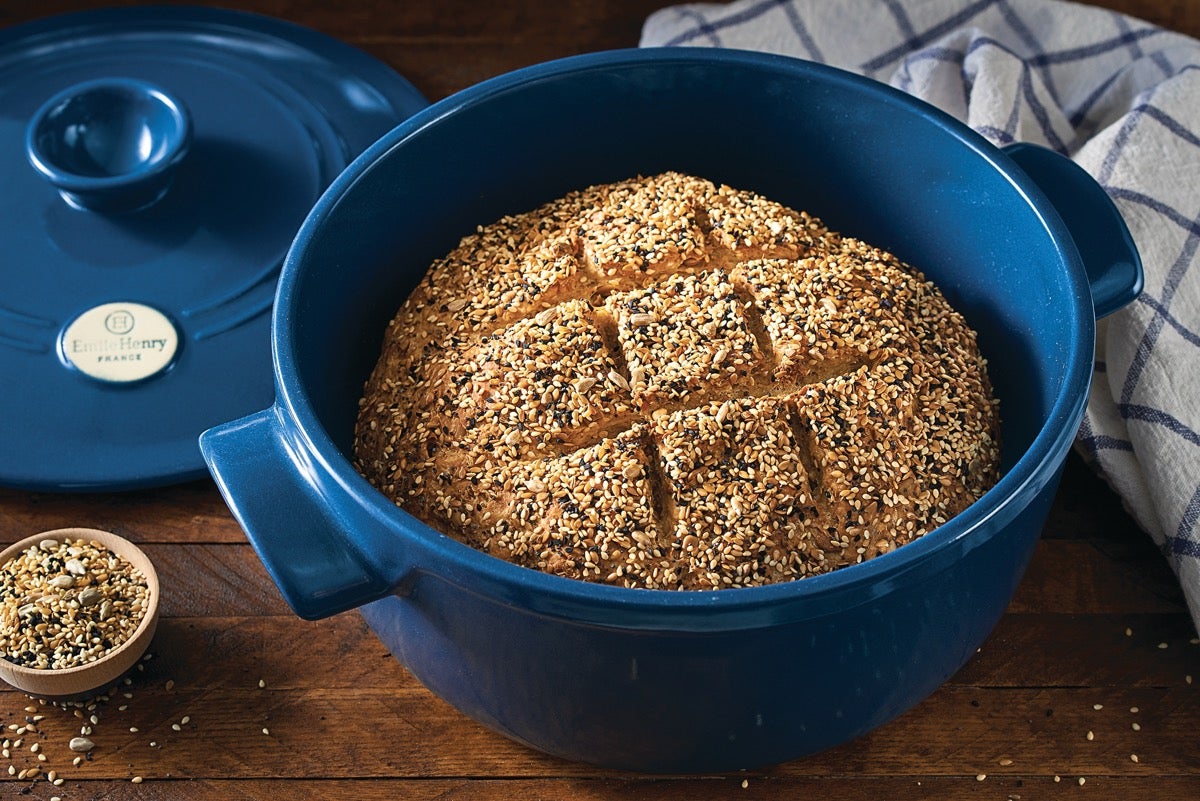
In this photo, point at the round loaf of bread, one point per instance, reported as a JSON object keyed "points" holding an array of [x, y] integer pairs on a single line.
{"points": [[669, 384]]}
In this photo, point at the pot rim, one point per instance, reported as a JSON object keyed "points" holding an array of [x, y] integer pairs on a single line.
{"points": [[1036, 468]]}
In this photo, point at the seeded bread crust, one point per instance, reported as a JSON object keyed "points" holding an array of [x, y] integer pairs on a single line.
{"points": [[666, 383]]}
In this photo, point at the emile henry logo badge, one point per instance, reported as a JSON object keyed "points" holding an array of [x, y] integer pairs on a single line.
{"points": [[119, 321], [119, 342]]}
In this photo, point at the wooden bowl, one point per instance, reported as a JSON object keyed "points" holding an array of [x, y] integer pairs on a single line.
{"points": [[83, 679]]}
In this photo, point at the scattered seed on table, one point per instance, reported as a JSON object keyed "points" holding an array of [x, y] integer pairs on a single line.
{"points": [[81, 744], [1082, 781], [1091, 735], [1133, 757], [176, 727], [1162, 645], [136, 780], [1136, 726]]}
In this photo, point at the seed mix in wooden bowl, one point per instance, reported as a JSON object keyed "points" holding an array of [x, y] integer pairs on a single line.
{"points": [[65, 603]]}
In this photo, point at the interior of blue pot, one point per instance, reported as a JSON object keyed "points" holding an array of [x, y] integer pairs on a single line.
{"points": [[861, 157]]}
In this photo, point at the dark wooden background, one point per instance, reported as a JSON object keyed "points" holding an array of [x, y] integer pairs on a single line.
{"points": [[1097, 630]]}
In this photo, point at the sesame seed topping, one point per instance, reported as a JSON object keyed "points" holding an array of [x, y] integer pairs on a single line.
{"points": [[666, 383]]}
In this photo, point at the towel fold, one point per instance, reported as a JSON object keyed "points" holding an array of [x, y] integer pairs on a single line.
{"points": [[1119, 96]]}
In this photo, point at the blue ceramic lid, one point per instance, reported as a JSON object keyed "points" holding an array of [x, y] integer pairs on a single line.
{"points": [[155, 165]]}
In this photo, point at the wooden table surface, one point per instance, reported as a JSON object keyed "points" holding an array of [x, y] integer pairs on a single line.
{"points": [[1091, 665]]}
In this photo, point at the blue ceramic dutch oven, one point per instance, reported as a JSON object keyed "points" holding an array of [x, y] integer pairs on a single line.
{"points": [[1021, 240]]}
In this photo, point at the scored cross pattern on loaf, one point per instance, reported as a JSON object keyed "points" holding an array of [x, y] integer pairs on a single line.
{"points": [[666, 383]]}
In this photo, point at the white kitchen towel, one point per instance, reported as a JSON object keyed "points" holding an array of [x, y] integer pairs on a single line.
{"points": [[1119, 96]]}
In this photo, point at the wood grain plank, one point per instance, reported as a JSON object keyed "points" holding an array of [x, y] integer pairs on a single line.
{"points": [[575, 21], [963, 730], [191, 512], [1083, 577], [1049, 650], [285, 652], [201, 579], [342, 653], [1086, 505], [405, 732], [834, 788]]}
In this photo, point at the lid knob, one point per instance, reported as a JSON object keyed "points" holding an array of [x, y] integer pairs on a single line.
{"points": [[109, 145]]}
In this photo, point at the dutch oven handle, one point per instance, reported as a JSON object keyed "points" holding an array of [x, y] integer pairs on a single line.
{"points": [[1105, 245], [279, 505]]}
